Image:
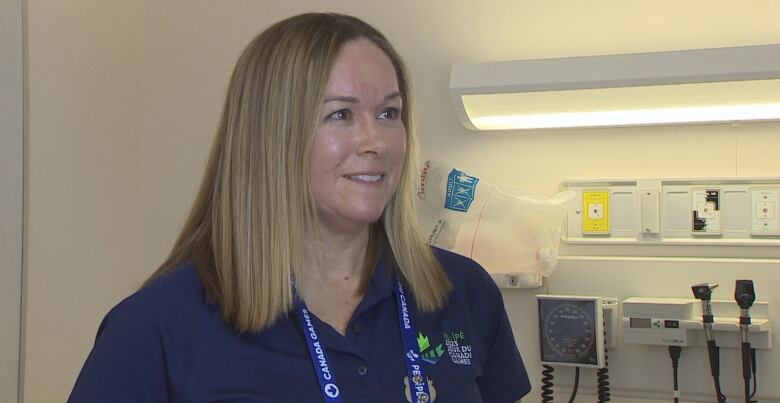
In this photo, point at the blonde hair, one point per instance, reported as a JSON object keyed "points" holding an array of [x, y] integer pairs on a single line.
{"points": [[245, 230]]}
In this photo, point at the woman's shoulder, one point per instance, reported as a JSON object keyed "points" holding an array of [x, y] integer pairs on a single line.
{"points": [[169, 311], [462, 270], [180, 284], [470, 281], [149, 341], [171, 300]]}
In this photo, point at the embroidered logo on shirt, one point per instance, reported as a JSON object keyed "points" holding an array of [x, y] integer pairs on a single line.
{"points": [[430, 354], [458, 348]]}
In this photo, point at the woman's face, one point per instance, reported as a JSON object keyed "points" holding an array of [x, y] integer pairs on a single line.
{"points": [[360, 141]]}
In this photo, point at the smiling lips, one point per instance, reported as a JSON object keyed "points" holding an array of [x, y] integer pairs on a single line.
{"points": [[365, 178]]}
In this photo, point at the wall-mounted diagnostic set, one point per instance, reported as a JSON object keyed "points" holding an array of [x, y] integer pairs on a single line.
{"points": [[703, 321]]}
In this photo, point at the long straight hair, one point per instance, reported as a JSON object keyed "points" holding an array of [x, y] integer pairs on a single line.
{"points": [[245, 230]]}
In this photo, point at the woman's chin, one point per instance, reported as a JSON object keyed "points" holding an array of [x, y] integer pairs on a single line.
{"points": [[354, 221]]}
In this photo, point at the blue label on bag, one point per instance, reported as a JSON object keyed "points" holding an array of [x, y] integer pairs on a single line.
{"points": [[461, 189]]}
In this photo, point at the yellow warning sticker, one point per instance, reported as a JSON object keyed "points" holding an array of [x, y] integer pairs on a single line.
{"points": [[595, 211]]}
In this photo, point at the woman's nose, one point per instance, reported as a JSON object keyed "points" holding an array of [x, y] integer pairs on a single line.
{"points": [[371, 137]]}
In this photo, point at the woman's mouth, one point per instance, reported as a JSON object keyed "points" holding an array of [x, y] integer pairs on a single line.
{"points": [[365, 178]]}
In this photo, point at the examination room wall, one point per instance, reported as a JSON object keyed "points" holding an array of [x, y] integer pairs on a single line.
{"points": [[83, 250], [124, 98]]}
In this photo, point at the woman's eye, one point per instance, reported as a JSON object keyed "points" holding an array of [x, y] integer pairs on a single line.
{"points": [[390, 113], [341, 114]]}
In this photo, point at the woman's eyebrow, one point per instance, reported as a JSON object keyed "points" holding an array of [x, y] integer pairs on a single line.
{"points": [[353, 100], [339, 98]]}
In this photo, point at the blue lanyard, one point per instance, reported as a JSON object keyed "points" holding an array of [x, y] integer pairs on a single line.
{"points": [[327, 379], [418, 382]]}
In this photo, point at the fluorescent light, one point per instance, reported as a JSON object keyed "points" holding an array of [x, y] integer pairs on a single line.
{"points": [[698, 86], [629, 118]]}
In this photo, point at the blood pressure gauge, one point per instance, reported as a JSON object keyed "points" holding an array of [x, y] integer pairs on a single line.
{"points": [[571, 330]]}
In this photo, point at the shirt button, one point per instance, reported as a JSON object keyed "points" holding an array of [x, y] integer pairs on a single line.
{"points": [[357, 328], [362, 370]]}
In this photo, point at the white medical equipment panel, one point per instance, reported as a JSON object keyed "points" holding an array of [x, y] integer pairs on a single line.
{"points": [[682, 212]]}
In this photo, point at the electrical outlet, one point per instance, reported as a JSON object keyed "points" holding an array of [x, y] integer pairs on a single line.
{"points": [[596, 219], [705, 211], [764, 203]]}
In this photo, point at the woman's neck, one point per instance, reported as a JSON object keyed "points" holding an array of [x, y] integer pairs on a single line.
{"points": [[333, 275], [335, 258]]}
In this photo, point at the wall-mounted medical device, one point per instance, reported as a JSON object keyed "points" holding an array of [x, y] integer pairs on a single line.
{"points": [[740, 323], [742, 212], [745, 297], [703, 292], [687, 86], [706, 209], [573, 331], [670, 321], [595, 211]]}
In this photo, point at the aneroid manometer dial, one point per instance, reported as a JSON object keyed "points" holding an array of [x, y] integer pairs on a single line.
{"points": [[569, 330]]}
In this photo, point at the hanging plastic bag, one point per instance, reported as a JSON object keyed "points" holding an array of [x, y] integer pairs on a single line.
{"points": [[506, 230]]}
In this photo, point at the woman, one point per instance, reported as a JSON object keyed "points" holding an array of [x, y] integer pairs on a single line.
{"points": [[300, 275]]}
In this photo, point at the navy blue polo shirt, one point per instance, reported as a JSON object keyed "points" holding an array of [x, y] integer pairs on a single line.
{"points": [[165, 343]]}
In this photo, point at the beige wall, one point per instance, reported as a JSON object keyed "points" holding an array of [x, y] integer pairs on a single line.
{"points": [[84, 239], [125, 96], [11, 193]]}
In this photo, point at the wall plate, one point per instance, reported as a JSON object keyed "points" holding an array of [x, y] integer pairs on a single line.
{"points": [[764, 214], [596, 211], [705, 211]]}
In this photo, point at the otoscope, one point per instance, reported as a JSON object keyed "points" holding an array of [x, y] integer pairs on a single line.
{"points": [[745, 295], [703, 292]]}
